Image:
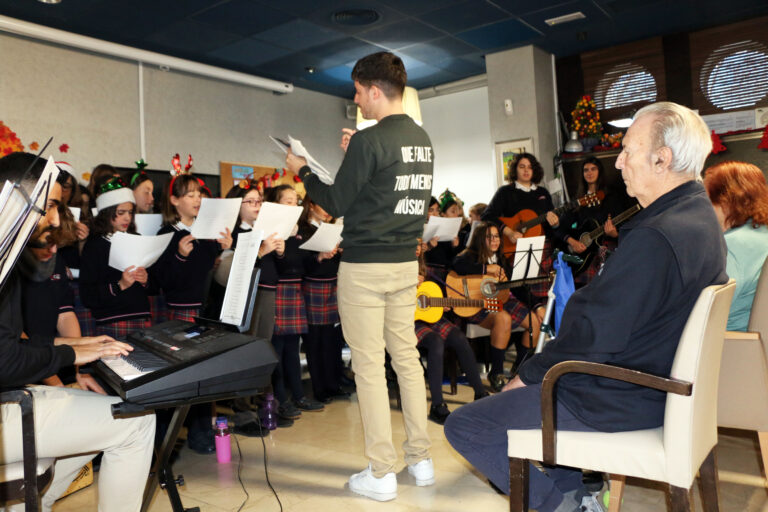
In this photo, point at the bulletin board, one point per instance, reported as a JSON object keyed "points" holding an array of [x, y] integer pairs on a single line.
{"points": [[232, 172]]}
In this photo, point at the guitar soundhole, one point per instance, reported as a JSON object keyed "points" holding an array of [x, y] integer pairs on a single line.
{"points": [[421, 301], [584, 239]]}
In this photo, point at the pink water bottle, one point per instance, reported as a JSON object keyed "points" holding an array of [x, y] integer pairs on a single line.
{"points": [[223, 446]]}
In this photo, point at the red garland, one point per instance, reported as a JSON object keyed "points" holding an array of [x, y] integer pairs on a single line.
{"points": [[764, 141], [717, 144]]}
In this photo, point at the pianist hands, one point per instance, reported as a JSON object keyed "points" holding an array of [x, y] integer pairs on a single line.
{"points": [[89, 352]]}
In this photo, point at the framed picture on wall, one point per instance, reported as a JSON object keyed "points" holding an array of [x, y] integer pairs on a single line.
{"points": [[506, 152]]}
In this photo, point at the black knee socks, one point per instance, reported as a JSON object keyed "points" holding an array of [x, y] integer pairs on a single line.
{"points": [[497, 361]]}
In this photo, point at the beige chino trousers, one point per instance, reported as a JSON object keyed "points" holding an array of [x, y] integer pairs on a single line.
{"points": [[377, 302]]}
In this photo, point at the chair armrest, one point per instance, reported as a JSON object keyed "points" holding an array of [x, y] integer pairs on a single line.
{"points": [[647, 380], [742, 335], [23, 397]]}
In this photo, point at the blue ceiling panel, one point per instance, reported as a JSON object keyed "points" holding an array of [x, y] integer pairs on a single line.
{"points": [[463, 16], [249, 52], [243, 17], [592, 15], [503, 34], [342, 51], [400, 33], [190, 36], [438, 49], [298, 34], [462, 66], [416, 7], [520, 7], [324, 15]]}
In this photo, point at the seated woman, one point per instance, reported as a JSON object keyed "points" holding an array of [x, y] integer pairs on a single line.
{"points": [[433, 338], [483, 256], [739, 194]]}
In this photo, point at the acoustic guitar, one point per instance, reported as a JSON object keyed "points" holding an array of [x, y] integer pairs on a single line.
{"points": [[430, 303], [529, 222], [587, 238]]}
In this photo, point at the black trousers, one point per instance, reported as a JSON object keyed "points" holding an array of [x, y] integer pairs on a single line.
{"points": [[323, 344]]}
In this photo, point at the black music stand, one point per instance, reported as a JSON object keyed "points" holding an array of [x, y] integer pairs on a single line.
{"points": [[529, 257]]}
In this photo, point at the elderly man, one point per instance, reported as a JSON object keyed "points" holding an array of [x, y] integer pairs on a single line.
{"points": [[631, 315], [70, 425]]}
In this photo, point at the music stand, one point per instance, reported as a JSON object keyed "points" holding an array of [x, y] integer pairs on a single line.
{"points": [[526, 264]]}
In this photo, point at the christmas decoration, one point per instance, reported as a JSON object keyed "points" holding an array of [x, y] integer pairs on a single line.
{"points": [[612, 141], [764, 140], [140, 164], [717, 144], [586, 118], [34, 146], [9, 141], [64, 148]]}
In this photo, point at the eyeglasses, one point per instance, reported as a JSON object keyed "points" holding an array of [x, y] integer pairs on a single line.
{"points": [[492, 237], [252, 202]]}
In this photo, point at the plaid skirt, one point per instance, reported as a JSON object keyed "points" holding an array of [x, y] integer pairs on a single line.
{"points": [[320, 301], [84, 316], [184, 314], [442, 327], [122, 328], [514, 307], [290, 310]]}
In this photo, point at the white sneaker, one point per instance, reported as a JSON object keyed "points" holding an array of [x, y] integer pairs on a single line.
{"points": [[592, 503], [379, 489], [423, 471]]}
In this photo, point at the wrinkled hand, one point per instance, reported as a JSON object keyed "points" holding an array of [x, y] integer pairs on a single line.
{"points": [[186, 246], [553, 219], [226, 239], [82, 231], [293, 163], [515, 383], [610, 229], [88, 383], [346, 134], [576, 246], [93, 351], [128, 278]]}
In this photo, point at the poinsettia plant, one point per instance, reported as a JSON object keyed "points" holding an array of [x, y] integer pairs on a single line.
{"points": [[586, 118]]}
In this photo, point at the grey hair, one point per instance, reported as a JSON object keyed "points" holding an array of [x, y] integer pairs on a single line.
{"points": [[683, 131]]}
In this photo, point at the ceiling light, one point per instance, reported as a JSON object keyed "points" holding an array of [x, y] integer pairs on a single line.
{"points": [[621, 123], [355, 17], [49, 1], [578, 15]]}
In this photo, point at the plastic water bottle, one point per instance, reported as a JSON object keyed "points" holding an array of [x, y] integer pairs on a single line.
{"points": [[269, 412], [223, 445]]}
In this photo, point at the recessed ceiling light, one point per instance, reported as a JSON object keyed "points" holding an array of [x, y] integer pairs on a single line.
{"points": [[49, 1], [578, 15], [355, 17]]}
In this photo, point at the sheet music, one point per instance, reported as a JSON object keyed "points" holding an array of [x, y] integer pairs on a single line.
{"points": [[136, 250], [277, 218], [75, 213], [521, 257], [445, 228], [472, 231], [148, 224], [298, 149], [236, 294], [214, 216], [325, 239], [18, 221]]}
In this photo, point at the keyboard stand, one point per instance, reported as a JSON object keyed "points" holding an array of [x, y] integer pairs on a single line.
{"points": [[161, 473]]}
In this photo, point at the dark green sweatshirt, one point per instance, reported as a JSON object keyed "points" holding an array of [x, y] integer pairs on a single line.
{"points": [[382, 190]]}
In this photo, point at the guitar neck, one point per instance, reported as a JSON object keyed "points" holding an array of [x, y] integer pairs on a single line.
{"points": [[541, 218], [520, 282], [616, 221], [447, 302]]}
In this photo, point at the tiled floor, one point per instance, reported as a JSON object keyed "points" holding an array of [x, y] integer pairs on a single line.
{"points": [[309, 465]]}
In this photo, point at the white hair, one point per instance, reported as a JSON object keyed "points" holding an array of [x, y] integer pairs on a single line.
{"points": [[683, 131]]}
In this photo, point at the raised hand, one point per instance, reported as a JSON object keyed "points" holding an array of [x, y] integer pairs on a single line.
{"points": [[186, 246], [346, 134], [226, 239]]}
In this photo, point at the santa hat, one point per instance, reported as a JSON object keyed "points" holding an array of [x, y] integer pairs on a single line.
{"points": [[64, 166], [112, 193]]}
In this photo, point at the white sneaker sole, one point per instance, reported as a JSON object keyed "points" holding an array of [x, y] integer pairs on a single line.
{"points": [[421, 482], [378, 496]]}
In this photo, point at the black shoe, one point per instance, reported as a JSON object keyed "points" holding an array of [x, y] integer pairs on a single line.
{"points": [[283, 422], [251, 429], [288, 410], [307, 404], [439, 413], [202, 442], [325, 399], [497, 381], [483, 394], [339, 393]]}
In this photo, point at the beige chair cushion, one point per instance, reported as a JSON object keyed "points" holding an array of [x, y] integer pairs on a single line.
{"points": [[15, 470], [639, 453]]}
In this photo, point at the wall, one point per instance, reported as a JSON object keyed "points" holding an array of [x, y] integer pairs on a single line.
{"points": [[523, 75], [459, 128], [91, 102]]}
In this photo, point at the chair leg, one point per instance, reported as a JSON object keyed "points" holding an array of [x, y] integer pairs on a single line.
{"points": [[680, 499], [710, 491], [762, 437], [518, 485], [617, 492]]}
